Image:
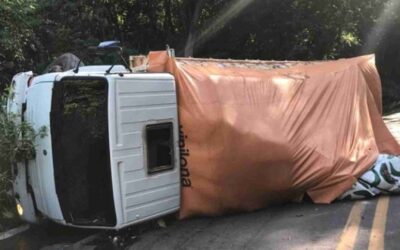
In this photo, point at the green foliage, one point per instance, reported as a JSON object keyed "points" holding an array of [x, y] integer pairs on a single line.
{"points": [[18, 42], [85, 99], [34, 32], [17, 21], [16, 145], [17, 140], [6, 202]]}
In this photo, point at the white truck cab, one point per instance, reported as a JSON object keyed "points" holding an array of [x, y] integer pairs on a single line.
{"points": [[110, 158]]}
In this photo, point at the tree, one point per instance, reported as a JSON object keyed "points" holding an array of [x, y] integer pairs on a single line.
{"points": [[34, 32], [18, 41]]}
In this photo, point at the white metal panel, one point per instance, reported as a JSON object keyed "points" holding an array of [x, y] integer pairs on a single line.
{"points": [[136, 101], [18, 92], [42, 172]]}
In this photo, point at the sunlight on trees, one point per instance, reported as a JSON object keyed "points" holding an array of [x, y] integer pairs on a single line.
{"points": [[34, 32]]}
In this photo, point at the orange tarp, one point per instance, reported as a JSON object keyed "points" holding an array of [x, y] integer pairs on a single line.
{"points": [[254, 133]]}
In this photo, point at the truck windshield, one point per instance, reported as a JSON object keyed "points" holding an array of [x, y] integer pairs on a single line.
{"points": [[79, 129]]}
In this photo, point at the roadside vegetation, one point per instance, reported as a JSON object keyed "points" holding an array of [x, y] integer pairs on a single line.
{"points": [[34, 32], [17, 144]]}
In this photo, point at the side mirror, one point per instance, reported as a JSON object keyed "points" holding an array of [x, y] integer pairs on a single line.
{"points": [[105, 48], [109, 45]]}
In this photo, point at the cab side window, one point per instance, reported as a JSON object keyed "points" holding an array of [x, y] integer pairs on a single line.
{"points": [[160, 149]]}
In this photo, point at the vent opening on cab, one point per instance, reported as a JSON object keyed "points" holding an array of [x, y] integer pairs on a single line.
{"points": [[160, 151]]}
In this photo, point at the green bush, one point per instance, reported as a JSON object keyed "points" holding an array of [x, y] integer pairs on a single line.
{"points": [[16, 145]]}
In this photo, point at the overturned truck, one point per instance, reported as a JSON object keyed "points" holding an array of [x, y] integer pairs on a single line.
{"points": [[198, 136]]}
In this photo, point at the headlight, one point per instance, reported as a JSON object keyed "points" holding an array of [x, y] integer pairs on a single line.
{"points": [[20, 210]]}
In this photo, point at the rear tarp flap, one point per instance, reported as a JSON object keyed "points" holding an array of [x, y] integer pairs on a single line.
{"points": [[254, 133]]}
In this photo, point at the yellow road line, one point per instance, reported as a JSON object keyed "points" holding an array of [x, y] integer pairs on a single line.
{"points": [[350, 231], [377, 236]]}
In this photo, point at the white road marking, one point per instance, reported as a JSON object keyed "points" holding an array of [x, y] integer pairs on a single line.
{"points": [[12, 232]]}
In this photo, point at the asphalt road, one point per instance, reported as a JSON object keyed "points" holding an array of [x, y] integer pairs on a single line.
{"points": [[369, 224], [296, 226], [372, 224]]}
